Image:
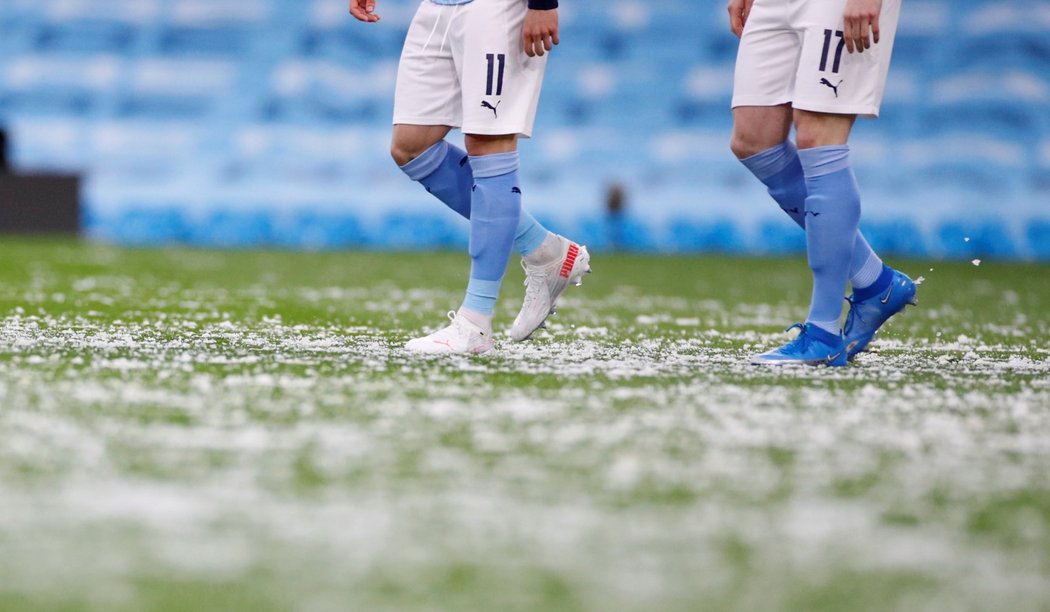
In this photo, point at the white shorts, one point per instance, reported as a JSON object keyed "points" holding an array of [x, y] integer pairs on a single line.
{"points": [[464, 66], [793, 51]]}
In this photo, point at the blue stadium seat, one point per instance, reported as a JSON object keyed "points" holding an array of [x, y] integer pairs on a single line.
{"points": [[357, 47], [316, 230], [220, 40], [48, 144], [780, 236], [171, 89], [965, 161], [900, 237], [229, 227], [1015, 48], [326, 92], [35, 85], [1038, 234], [617, 233], [988, 238], [88, 36], [143, 224], [402, 230], [692, 235], [145, 151], [1007, 118]]}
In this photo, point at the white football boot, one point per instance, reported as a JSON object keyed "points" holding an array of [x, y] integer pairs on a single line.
{"points": [[462, 337], [545, 283]]}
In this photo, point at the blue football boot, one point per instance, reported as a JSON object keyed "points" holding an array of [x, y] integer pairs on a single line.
{"points": [[812, 346], [872, 306]]}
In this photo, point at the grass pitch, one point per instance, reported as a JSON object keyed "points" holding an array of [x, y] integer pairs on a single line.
{"points": [[191, 430]]}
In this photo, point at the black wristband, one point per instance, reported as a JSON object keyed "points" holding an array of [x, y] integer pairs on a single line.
{"points": [[543, 5]]}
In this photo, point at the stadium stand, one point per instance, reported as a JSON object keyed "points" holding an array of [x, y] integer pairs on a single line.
{"points": [[230, 123]]}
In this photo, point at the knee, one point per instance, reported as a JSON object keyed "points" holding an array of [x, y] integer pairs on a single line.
{"points": [[406, 145], [808, 139], [741, 146], [756, 129], [744, 143], [402, 153]]}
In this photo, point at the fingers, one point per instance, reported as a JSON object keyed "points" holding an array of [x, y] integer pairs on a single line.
{"points": [[736, 17], [736, 24], [364, 10], [856, 33], [864, 42], [860, 25], [530, 44], [734, 20], [739, 10], [539, 34], [538, 45]]}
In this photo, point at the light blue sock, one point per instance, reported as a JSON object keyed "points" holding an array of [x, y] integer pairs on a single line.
{"points": [[445, 171], [832, 219], [495, 209], [529, 234], [780, 171]]}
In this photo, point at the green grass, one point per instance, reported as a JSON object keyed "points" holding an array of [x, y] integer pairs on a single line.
{"points": [[192, 430]]}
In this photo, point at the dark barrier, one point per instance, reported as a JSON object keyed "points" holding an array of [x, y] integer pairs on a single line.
{"points": [[39, 204]]}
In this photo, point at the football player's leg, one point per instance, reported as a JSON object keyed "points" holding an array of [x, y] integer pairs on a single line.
{"points": [[832, 210], [423, 154], [427, 104], [760, 143], [495, 209], [831, 80]]}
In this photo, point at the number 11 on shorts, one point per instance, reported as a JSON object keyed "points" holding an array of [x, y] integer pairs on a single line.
{"points": [[495, 77]]}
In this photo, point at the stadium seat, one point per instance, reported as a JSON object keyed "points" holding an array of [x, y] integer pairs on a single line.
{"points": [[999, 103], [49, 144], [780, 236], [313, 229], [228, 227], [717, 236], [177, 90], [988, 238], [356, 48], [147, 225], [326, 92], [399, 230], [964, 160], [87, 27], [94, 36], [900, 237], [36, 85], [214, 28], [1038, 234], [617, 233]]}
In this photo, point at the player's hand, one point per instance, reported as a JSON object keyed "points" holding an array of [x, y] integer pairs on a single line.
{"points": [[540, 32], [738, 12], [860, 27], [364, 10]]}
